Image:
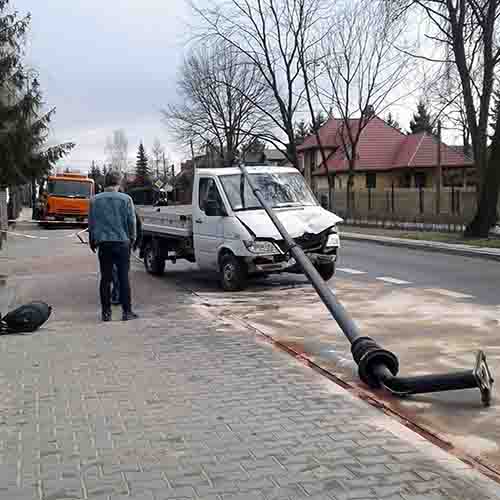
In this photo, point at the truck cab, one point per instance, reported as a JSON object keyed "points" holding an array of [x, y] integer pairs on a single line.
{"points": [[66, 198], [226, 229]]}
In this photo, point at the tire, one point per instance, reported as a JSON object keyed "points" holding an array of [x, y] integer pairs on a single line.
{"points": [[154, 265], [326, 271], [233, 274]]}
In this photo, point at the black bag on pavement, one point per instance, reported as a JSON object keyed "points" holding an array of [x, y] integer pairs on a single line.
{"points": [[25, 319]]}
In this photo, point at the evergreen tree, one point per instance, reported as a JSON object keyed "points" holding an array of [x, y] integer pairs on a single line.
{"points": [[422, 120], [142, 169], [23, 128], [301, 132], [391, 121], [96, 175], [317, 123]]}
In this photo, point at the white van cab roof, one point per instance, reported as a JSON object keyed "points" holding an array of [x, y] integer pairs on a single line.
{"points": [[254, 169]]}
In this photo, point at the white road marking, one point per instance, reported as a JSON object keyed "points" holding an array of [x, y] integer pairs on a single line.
{"points": [[350, 271], [450, 293], [393, 281]]}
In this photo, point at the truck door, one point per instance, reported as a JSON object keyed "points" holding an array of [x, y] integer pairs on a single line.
{"points": [[208, 228]]}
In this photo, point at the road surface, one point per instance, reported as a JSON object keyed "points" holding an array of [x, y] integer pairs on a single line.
{"points": [[434, 311]]}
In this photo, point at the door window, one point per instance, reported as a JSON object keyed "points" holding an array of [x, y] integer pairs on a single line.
{"points": [[208, 192]]}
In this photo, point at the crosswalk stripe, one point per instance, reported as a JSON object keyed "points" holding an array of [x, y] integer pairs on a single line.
{"points": [[393, 281], [350, 271]]}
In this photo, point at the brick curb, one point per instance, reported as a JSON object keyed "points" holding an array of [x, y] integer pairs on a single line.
{"points": [[428, 246]]}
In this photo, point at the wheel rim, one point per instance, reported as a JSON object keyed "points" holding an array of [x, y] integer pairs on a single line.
{"points": [[229, 272], [149, 259]]}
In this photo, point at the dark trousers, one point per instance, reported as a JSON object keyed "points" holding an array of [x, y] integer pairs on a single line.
{"points": [[115, 291], [115, 254]]}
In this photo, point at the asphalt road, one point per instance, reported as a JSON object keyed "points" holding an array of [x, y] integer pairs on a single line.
{"points": [[477, 278]]}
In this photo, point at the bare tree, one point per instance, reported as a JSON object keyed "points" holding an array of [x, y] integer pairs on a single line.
{"points": [[222, 94], [157, 153], [356, 73], [116, 150], [269, 34], [467, 33]]}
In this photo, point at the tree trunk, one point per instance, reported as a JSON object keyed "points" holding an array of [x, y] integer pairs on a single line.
{"points": [[486, 216], [292, 151], [350, 182]]}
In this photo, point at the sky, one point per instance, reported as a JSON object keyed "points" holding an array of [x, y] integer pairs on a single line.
{"points": [[106, 65], [113, 64]]}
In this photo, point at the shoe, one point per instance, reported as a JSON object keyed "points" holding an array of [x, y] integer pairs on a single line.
{"points": [[128, 316], [106, 316]]}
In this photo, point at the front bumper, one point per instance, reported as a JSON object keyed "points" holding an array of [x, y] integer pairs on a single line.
{"points": [[281, 264], [66, 218]]}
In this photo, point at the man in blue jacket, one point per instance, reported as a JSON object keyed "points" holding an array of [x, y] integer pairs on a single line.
{"points": [[112, 231]]}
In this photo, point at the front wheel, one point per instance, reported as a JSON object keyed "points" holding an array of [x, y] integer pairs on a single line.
{"points": [[326, 271], [152, 262], [233, 274]]}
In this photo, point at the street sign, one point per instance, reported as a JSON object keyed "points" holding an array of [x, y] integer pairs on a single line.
{"points": [[159, 184]]}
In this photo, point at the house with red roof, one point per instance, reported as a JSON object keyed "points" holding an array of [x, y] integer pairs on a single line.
{"points": [[385, 157]]}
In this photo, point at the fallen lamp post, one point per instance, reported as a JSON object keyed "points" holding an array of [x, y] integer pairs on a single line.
{"points": [[378, 367]]}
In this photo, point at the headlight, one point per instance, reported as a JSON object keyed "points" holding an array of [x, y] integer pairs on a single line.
{"points": [[333, 240], [262, 247]]}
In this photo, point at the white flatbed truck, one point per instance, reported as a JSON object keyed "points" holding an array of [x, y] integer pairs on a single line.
{"points": [[226, 230]]}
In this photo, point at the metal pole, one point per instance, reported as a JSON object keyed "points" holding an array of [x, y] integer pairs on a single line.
{"points": [[347, 325]]}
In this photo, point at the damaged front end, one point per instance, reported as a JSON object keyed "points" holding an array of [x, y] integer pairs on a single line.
{"points": [[322, 250]]}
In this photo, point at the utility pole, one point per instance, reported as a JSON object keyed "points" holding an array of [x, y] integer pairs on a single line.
{"points": [[164, 168], [439, 173]]}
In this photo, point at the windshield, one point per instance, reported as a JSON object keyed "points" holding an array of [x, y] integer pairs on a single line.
{"points": [[286, 189], [69, 189]]}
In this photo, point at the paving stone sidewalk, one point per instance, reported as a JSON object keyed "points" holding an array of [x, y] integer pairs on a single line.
{"points": [[183, 405]]}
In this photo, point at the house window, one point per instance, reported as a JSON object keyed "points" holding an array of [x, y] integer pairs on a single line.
{"points": [[371, 180]]}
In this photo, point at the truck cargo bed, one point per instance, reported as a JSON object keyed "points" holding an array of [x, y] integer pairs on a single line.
{"points": [[174, 220]]}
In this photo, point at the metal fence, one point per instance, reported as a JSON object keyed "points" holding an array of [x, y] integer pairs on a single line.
{"points": [[405, 205]]}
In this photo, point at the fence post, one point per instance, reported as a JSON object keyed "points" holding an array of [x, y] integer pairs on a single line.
{"points": [[369, 199], [421, 199], [392, 197]]}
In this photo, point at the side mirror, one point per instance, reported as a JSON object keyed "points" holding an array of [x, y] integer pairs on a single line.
{"points": [[213, 209]]}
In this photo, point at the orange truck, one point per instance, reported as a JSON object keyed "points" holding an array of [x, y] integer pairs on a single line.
{"points": [[66, 198]]}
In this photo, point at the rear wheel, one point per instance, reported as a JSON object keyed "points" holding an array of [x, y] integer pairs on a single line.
{"points": [[327, 270], [153, 263], [233, 274]]}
